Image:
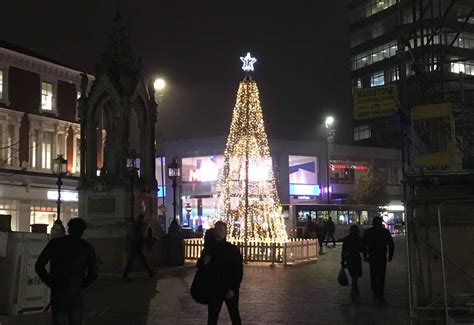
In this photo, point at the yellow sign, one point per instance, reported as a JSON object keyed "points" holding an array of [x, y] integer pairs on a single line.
{"points": [[425, 112], [375, 102]]}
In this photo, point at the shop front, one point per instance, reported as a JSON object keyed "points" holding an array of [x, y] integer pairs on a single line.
{"points": [[29, 205]]}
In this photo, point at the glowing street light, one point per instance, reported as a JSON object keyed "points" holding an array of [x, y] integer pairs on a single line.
{"points": [[159, 84], [329, 121]]}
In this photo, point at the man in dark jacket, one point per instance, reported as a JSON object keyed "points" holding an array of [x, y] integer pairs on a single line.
{"points": [[136, 240], [72, 268], [225, 267], [376, 240], [331, 229]]}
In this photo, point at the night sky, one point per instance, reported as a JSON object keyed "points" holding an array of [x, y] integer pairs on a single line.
{"points": [[301, 47]]}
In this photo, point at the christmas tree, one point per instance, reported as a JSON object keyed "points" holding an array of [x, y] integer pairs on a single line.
{"points": [[247, 200]]}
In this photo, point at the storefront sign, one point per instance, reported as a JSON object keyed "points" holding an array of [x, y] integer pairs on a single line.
{"points": [[343, 166], [304, 189], [66, 196], [375, 102]]}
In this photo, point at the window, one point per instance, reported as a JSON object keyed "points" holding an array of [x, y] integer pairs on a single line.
{"points": [[78, 155], [11, 145], [374, 55], [46, 96], [393, 74], [466, 67], [46, 154], [1, 84], [357, 84], [33, 154], [370, 8], [362, 132], [377, 79]]}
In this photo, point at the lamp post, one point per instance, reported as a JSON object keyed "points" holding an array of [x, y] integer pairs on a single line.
{"points": [[132, 168], [188, 209], [329, 124], [159, 85], [59, 169], [173, 174]]}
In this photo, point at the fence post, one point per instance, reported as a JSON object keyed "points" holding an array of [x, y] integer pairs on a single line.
{"points": [[284, 254]]}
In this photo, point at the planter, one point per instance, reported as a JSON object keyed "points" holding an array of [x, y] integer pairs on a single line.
{"points": [[5, 222], [39, 228]]}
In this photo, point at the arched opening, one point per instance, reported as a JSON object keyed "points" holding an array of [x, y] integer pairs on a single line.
{"points": [[137, 132]]}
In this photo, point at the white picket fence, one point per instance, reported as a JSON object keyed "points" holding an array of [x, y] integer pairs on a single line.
{"points": [[292, 251]]}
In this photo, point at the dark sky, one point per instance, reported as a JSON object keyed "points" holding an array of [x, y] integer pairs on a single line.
{"points": [[301, 47]]}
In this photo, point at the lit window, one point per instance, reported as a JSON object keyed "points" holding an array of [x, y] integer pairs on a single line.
{"points": [[46, 147], [362, 133], [377, 79], [46, 96], [33, 154], [394, 75], [1, 84]]}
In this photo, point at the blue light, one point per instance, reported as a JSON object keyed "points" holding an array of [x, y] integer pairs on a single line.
{"points": [[161, 191]]}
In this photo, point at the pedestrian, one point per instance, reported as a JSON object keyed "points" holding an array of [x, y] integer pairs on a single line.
{"points": [[376, 241], [135, 243], [226, 270], [72, 267], [309, 228], [320, 234], [352, 247], [331, 229], [201, 286]]}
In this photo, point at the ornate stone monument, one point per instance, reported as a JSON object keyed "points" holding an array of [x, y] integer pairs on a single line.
{"points": [[117, 180]]}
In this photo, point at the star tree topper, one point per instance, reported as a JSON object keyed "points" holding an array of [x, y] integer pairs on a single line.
{"points": [[248, 62]]}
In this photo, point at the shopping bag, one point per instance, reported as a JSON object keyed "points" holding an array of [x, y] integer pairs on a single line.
{"points": [[342, 278], [200, 287]]}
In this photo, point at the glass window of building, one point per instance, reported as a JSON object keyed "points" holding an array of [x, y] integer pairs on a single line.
{"points": [[374, 55], [377, 79], [78, 154], [46, 96], [1, 84], [44, 214], [393, 74], [362, 132], [369, 8], [11, 145], [46, 150]]}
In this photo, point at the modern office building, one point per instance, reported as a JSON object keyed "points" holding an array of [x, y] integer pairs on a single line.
{"points": [[423, 49], [38, 99]]}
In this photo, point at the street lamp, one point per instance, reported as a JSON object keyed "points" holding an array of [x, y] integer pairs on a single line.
{"points": [[188, 209], [59, 169], [173, 174], [159, 84], [132, 168], [329, 123]]}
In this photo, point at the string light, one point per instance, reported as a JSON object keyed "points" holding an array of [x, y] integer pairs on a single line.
{"points": [[247, 143], [248, 62]]}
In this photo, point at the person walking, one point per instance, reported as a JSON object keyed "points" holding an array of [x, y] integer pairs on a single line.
{"points": [[72, 268], [309, 228], [320, 234], [331, 229], [225, 266], [136, 240], [376, 241], [352, 247]]}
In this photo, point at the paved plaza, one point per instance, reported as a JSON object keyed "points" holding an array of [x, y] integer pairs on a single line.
{"points": [[302, 294]]}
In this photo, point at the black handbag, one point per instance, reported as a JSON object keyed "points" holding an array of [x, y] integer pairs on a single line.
{"points": [[342, 278], [200, 290]]}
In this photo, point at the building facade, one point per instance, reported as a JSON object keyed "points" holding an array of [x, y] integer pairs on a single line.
{"points": [[425, 49], [38, 121], [300, 168]]}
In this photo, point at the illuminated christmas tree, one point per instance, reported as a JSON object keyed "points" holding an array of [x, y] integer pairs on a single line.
{"points": [[247, 198]]}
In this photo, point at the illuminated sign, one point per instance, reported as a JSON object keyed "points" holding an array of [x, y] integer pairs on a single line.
{"points": [[248, 62], [324, 189], [161, 191], [343, 166], [66, 196], [305, 189]]}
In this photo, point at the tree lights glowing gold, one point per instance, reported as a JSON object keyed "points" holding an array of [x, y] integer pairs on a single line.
{"points": [[247, 199]]}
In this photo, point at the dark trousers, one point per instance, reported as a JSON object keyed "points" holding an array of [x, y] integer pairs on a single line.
{"points": [[69, 317], [355, 286], [215, 305], [134, 254], [331, 235], [377, 277]]}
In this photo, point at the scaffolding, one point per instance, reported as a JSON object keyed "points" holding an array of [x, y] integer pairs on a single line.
{"points": [[436, 66]]}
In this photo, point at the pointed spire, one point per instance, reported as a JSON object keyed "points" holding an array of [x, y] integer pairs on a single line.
{"points": [[118, 60]]}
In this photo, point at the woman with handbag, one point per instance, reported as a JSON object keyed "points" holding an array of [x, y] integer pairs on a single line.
{"points": [[352, 247], [201, 286]]}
